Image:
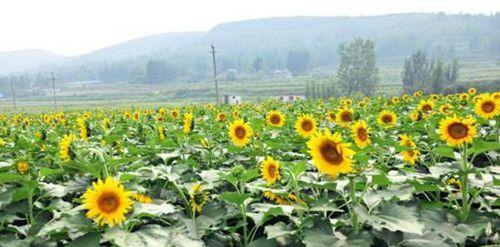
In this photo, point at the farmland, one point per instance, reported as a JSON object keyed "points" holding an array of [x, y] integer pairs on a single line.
{"points": [[408, 170]]}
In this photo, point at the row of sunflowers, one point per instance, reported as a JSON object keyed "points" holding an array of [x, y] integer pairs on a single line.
{"points": [[413, 170]]}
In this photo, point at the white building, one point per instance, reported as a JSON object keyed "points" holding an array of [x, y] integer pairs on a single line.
{"points": [[232, 99], [291, 98]]}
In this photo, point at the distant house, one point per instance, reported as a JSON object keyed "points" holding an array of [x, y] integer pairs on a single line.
{"points": [[290, 98], [232, 99], [282, 74]]}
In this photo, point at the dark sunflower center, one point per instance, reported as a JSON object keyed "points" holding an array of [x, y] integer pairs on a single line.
{"points": [[331, 115], [362, 134], [411, 153], [346, 117], [458, 130], [387, 118], [445, 109], [174, 114], [240, 132], [488, 106], [330, 153], [222, 116], [199, 198], [426, 108], [271, 170], [275, 119], [307, 125], [108, 202]]}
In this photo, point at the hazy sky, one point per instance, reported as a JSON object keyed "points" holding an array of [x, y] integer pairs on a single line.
{"points": [[72, 27]]}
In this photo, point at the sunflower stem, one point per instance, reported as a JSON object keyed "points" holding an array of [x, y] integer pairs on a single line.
{"points": [[184, 199], [30, 205], [464, 179], [352, 204]]}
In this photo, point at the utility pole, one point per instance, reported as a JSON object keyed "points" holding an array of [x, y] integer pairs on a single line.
{"points": [[215, 75], [13, 94], [54, 91]]}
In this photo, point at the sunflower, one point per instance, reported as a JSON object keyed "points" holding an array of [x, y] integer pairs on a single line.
{"points": [[426, 106], [142, 198], [221, 117], [414, 115], [330, 155], [22, 166], [361, 134], [410, 155], [472, 91], [345, 116], [105, 124], [270, 170], [65, 151], [240, 132], [305, 125], [275, 118], [1, 142], [174, 113], [273, 197], [136, 116], [446, 108], [387, 119], [487, 107], [107, 202], [161, 132], [83, 129], [457, 131], [197, 197], [331, 116], [188, 123]]}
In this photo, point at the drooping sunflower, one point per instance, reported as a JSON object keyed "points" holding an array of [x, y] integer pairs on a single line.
{"points": [[387, 119], [142, 198], [305, 125], [270, 170], [275, 118], [361, 134], [345, 116], [445, 108], [457, 131], [65, 151], [330, 154], [487, 107], [197, 197], [426, 106], [188, 124], [107, 202], [240, 132], [22, 166]]}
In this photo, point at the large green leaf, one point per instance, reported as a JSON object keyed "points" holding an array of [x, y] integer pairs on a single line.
{"points": [[393, 217]]}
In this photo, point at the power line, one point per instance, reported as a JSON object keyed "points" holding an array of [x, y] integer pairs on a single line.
{"points": [[215, 75]]}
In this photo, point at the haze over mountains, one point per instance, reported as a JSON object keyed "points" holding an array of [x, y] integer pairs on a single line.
{"points": [[186, 55]]}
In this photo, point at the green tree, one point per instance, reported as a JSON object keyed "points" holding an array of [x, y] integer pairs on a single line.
{"points": [[297, 61], [257, 64], [438, 78], [357, 70], [416, 72]]}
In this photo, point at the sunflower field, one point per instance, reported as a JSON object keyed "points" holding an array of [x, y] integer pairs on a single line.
{"points": [[415, 170]]}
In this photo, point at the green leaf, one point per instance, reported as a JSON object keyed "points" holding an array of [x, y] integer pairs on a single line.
{"points": [[394, 218], [482, 146], [89, 239], [321, 234], [150, 209], [278, 230], [233, 197], [444, 151], [11, 178]]}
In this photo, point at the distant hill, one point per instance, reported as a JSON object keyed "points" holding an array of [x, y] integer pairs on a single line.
{"points": [[185, 56], [26, 60]]}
